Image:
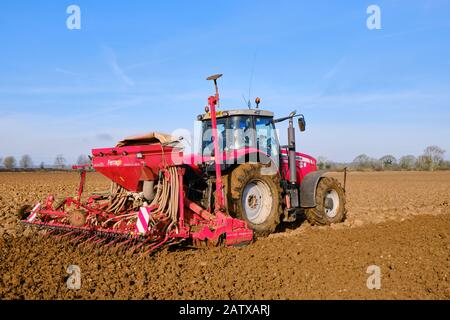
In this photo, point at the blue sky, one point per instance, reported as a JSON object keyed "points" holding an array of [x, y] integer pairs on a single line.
{"points": [[140, 66]]}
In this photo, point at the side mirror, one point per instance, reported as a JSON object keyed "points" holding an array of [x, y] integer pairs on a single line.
{"points": [[302, 123]]}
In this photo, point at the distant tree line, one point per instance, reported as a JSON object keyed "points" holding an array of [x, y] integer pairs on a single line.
{"points": [[10, 163], [432, 159]]}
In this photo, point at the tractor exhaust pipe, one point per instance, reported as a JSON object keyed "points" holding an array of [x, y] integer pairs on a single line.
{"points": [[292, 155], [291, 145], [292, 161]]}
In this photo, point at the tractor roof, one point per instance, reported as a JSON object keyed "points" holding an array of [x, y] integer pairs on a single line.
{"points": [[240, 112]]}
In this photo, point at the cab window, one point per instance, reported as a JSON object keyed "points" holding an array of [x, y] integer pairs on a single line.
{"points": [[240, 133], [266, 137], [207, 141]]}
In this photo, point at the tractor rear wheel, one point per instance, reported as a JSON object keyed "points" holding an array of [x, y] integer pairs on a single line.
{"points": [[254, 197], [330, 200]]}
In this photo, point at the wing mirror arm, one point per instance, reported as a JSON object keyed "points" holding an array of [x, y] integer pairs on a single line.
{"points": [[301, 120]]}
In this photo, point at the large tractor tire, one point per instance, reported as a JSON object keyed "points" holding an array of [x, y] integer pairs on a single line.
{"points": [[330, 200], [254, 197]]}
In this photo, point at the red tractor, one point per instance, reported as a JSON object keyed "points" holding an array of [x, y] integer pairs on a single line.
{"points": [[243, 182], [264, 182]]}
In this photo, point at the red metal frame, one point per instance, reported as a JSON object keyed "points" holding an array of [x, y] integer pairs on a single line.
{"points": [[128, 166], [194, 222], [220, 204]]}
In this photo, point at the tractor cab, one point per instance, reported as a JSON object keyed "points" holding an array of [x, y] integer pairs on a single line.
{"points": [[240, 129]]}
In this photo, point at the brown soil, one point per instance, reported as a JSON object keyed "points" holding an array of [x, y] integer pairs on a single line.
{"points": [[397, 221]]}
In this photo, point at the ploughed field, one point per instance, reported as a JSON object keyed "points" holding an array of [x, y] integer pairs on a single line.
{"points": [[398, 221]]}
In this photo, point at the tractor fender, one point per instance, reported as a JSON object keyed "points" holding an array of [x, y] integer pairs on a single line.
{"points": [[308, 188]]}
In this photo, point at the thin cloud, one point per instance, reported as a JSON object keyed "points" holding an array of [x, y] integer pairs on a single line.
{"points": [[118, 71], [104, 137], [335, 69], [439, 97], [145, 64], [67, 72], [56, 89]]}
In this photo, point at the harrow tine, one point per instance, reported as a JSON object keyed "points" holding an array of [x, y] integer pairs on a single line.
{"points": [[58, 237], [112, 243], [113, 249], [108, 241], [147, 252], [81, 236], [111, 246], [91, 245], [100, 241], [96, 245], [142, 255], [66, 234], [137, 247], [121, 245], [131, 248], [158, 245], [127, 247], [145, 244], [116, 247], [89, 240], [48, 233], [107, 246], [144, 250]]}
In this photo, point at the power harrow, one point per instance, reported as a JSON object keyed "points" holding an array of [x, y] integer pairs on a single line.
{"points": [[146, 207], [126, 219]]}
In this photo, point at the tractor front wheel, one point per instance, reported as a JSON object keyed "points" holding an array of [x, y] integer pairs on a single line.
{"points": [[330, 200], [254, 197]]}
